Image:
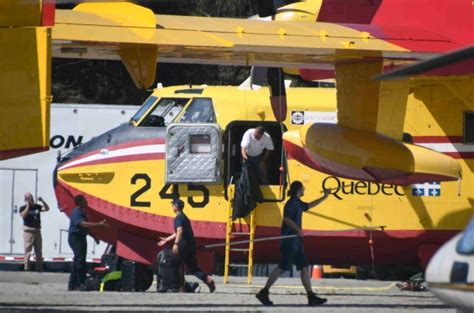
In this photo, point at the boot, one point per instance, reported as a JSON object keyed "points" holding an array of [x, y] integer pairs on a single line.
{"points": [[210, 284], [262, 296], [314, 300]]}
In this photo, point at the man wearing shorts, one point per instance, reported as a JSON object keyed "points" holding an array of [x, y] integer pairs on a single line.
{"points": [[291, 249]]}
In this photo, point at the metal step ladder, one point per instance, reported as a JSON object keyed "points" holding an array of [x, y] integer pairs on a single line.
{"points": [[232, 234]]}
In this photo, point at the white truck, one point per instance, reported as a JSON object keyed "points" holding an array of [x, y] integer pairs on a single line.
{"points": [[71, 125]]}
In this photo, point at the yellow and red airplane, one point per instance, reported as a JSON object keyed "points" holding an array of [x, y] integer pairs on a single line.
{"points": [[122, 172]]}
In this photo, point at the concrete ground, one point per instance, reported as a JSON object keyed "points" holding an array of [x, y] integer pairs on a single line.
{"points": [[46, 292]]}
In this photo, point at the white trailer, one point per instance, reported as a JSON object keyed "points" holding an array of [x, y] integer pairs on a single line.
{"points": [[71, 125]]}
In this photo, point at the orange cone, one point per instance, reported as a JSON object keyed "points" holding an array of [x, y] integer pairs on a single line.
{"points": [[317, 272]]}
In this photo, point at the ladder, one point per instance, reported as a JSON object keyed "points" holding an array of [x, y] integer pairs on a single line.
{"points": [[230, 234]]}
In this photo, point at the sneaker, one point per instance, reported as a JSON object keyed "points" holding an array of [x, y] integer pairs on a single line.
{"points": [[211, 285], [262, 296], [314, 300]]}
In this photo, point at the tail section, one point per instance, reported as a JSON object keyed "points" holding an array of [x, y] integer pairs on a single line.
{"points": [[453, 19]]}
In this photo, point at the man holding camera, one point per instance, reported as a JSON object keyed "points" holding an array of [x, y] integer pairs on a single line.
{"points": [[31, 214]]}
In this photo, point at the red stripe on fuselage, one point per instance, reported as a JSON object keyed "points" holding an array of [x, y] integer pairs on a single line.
{"points": [[346, 247], [437, 139], [121, 159], [128, 144], [460, 155]]}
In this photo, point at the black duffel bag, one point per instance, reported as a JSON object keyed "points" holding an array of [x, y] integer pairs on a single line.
{"points": [[169, 276]]}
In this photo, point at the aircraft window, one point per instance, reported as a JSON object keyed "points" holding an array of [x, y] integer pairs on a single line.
{"points": [[165, 112], [468, 127], [145, 106], [200, 110], [195, 91], [200, 144], [466, 243]]}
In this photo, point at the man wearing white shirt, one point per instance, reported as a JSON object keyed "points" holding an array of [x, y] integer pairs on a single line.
{"points": [[256, 147]]}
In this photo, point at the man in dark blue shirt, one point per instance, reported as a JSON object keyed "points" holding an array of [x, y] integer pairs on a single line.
{"points": [[31, 214], [78, 226], [184, 244], [291, 249]]}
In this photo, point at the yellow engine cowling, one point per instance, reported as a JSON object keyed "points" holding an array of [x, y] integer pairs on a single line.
{"points": [[363, 155]]}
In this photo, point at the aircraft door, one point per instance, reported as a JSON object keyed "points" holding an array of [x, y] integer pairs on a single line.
{"points": [[193, 153], [275, 190]]}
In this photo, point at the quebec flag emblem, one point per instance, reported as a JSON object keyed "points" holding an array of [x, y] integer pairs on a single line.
{"points": [[427, 189]]}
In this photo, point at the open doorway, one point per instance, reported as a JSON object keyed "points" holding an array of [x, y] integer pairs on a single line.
{"points": [[233, 158]]}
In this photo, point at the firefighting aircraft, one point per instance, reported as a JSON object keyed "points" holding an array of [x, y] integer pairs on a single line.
{"points": [[123, 173]]}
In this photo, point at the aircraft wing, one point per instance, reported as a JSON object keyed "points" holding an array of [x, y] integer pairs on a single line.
{"points": [[133, 34], [367, 141]]}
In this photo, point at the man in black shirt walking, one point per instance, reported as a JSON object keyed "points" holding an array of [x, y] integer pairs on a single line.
{"points": [[184, 244], [31, 214], [291, 249]]}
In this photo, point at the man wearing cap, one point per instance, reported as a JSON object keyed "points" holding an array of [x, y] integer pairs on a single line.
{"points": [[184, 244]]}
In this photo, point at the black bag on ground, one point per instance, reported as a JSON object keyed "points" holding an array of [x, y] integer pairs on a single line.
{"points": [[135, 276], [169, 276], [92, 283]]}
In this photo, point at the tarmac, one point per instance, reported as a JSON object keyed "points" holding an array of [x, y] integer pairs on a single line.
{"points": [[46, 292]]}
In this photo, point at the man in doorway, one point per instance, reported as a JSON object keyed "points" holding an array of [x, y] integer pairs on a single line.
{"points": [[31, 214], [291, 249], [78, 226], [256, 147], [184, 244]]}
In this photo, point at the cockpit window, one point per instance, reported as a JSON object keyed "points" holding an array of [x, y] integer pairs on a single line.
{"points": [[466, 243], [165, 112], [145, 106], [200, 110]]}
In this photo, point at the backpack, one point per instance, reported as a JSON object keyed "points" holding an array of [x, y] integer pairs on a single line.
{"points": [[169, 276]]}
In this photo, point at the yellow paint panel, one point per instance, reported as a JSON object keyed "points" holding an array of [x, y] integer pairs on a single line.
{"points": [[364, 103], [358, 95], [116, 14], [20, 13], [25, 90], [392, 108], [140, 61]]}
